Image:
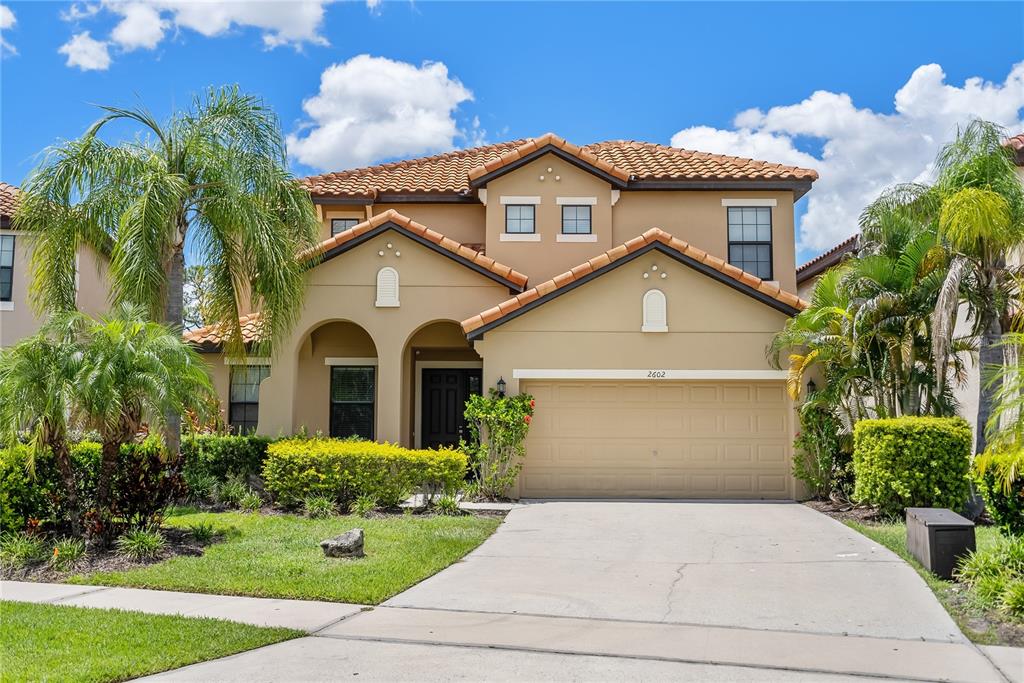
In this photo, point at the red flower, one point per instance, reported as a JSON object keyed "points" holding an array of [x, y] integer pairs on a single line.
{"points": [[533, 404], [527, 418]]}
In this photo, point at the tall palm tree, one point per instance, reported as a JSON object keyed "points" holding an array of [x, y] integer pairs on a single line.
{"points": [[213, 179], [37, 394], [134, 371]]}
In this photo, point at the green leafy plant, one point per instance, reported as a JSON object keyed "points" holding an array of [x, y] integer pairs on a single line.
{"points": [[821, 459], [1000, 478], [912, 462], [996, 575], [447, 504], [21, 550], [22, 495], [202, 532], [363, 506], [346, 470], [318, 507], [250, 502], [141, 544], [223, 456], [67, 553], [498, 427], [201, 486], [231, 492]]}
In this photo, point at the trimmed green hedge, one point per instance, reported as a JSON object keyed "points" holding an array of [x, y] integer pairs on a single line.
{"points": [[347, 470], [222, 456], [1000, 478], [20, 497], [912, 462]]}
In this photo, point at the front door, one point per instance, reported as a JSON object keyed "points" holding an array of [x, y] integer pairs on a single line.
{"points": [[445, 392]]}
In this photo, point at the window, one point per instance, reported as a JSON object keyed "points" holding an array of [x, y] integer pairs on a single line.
{"points": [[750, 239], [655, 312], [244, 397], [519, 218], [387, 288], [342, 224], [575, 220], [6, 267], [352, 398]]}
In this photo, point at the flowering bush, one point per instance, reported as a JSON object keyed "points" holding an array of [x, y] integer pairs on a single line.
{"points": [[498, 426]]}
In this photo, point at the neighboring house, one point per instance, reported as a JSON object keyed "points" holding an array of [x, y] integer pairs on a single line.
{"points": [[18, 318], [807, 275], [631, 288]]}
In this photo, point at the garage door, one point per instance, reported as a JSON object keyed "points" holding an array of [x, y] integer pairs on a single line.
{"points": [[658, 440]]}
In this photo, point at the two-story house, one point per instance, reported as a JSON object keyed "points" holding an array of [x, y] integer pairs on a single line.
{"points": [[631, 288], [18, 318]]}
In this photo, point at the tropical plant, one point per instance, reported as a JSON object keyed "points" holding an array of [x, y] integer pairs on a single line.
{"points": [[67, 553], [141, 544], [20, 550], [823, 453], [498, 426], [202, 532], [318, 507], [213, 176], [133, 371], [38, 390]]}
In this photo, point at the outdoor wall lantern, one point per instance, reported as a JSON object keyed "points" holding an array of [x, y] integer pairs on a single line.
{"points": [[811, 387], [501, 387]]}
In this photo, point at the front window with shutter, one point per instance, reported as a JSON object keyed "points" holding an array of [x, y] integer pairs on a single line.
{"points": [[352, 401]]}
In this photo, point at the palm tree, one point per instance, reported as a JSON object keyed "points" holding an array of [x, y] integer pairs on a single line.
{"points": [[980, 214], [37, 394], [212, 179], [134, 371]]}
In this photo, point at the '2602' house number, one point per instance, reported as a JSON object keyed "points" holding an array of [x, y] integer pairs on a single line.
{"points": [[657, 374]]}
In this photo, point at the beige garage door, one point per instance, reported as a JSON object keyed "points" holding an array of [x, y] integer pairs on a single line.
{"points": [[662, 439]]}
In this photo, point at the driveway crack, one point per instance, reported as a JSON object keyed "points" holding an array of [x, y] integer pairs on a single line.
{"points": [[672, 589]]}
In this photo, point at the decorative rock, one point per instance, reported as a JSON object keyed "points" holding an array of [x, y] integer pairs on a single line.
{"points": [[348, 544]]}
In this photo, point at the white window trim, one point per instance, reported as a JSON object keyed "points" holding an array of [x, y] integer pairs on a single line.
{"points": [[418, 378], [6, 305], [750, 202], [576, 237], [254, 360], [355, 362], [645, 373], [649, 327], [520, 200], [576, 201], [520, 237]]}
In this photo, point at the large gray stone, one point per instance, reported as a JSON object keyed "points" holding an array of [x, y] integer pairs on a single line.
{"points": [[348, 544]]}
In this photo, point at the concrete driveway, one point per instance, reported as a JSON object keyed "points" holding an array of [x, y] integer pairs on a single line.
{"points": [[776, 566]]}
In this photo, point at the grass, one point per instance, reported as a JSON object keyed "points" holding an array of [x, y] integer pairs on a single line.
{"points": [[63, 643], [279, 556], [980, 625]]}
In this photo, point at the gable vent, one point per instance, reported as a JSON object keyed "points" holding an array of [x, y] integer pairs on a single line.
{"points": [[655, 312], [387, 288]]}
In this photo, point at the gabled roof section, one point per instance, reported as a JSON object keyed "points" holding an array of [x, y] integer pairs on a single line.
{"points": [[209, 339], [9, 196], [653, 239], [822, 262], [547, 143], [392, 220], [454, 176]]}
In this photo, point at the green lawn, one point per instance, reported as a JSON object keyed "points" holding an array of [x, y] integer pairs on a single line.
{"points": [[63, 643], [279, 556], [978, 625]]}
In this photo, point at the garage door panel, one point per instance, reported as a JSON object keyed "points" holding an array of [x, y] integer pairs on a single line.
{"points": [[663, 439]]}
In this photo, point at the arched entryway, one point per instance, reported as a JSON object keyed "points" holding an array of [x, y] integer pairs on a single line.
{"points": [[441, 371]]}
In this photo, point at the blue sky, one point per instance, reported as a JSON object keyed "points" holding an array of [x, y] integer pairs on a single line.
{"points": [[670, 73]]}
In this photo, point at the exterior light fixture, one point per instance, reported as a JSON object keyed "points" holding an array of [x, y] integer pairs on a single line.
{"points": [[811, 387], [501, 387]]}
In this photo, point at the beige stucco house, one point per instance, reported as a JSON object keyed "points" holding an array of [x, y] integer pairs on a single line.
{"points": [[18, 318], [630, 287]]}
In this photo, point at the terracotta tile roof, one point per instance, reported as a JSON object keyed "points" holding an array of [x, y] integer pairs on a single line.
{"points": [[828, 259], [8, 199], [451, 173], [209, 337], [606, 259], [462, 251], [1016, 143]]}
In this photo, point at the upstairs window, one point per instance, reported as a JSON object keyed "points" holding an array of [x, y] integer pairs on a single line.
{"points": [[576, 220], [342, 224], [519, 219], [244, 397], [750, 239], [6, 267]]}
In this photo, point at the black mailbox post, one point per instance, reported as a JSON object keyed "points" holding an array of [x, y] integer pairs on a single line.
{"points": [[938, 538]]}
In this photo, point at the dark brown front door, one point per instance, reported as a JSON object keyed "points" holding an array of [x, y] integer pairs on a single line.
{"points": [[445, 392]]}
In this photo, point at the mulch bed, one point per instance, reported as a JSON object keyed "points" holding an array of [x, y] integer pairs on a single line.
{"points": [[848, 511], [178, 542]]}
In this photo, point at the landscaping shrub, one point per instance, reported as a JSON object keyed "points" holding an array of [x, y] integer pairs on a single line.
{"points": [[21, 497], [497, 426], [912, 462], [202, 532], [1000, 478], [141, 544], [996, 574], [346, 470], [250, 502], [66, 554], [318, 507], [822, 458], [20, 550], [223, 456], [362, 506], [144, 484]]}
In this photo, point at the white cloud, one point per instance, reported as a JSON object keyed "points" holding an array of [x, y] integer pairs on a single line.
{"points": [[7, 22], [141, 26], [373, 108], [78, 12], [862, 151], [86, 53]]}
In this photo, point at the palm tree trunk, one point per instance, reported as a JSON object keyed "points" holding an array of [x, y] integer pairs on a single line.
{"points": [[173, 317], [990, 354], [67, 475]]}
